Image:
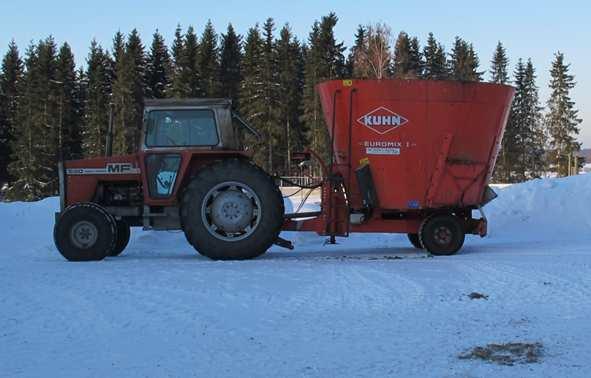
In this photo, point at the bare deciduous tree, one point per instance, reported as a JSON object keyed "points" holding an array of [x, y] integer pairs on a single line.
{"points": [[374, 60]]}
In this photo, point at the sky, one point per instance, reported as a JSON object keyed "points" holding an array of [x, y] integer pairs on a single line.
{"points": [[528, 29]]}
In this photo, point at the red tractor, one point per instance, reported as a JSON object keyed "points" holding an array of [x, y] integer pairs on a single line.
{"points": [[408, 156], [190, 173]]}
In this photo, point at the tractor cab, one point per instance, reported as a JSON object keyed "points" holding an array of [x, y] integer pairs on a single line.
{"points": [[190, 123], [172, 126]]}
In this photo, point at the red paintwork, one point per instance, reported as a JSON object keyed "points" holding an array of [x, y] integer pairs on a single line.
{"points": [[81, 188], [448, 143]]}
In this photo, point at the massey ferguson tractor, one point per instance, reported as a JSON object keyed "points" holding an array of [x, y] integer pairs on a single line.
{"points": [[407, 156]]}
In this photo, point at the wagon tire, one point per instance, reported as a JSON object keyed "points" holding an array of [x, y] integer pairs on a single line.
{"points": [[415, 241], [85, 232], [442, 234], [232, 210], [123, 235]]}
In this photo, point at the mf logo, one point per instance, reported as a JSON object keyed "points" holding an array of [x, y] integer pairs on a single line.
{"points": [[121, 168], [382, 120]]}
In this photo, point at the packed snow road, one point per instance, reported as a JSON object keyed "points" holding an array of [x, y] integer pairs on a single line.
{"points": [[369, 306]]}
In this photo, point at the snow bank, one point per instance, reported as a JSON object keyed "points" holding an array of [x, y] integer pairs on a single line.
{"points": [[542, 209]]}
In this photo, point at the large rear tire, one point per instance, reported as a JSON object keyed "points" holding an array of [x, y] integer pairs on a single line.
{"points": [[442, 234], [123, 235], [85, 232], [232, 210]]}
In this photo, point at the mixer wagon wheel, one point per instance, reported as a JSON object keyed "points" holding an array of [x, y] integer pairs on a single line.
{"points": [[232, 210], [415, 241], [442, 234]]}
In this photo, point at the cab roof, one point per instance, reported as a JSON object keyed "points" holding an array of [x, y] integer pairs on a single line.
{"points": [[187, 102]]}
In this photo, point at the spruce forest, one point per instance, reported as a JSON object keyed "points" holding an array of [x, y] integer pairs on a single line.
{"points": [[52, 108]]}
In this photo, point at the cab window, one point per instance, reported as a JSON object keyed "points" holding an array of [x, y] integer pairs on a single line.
{"points": [[175, 128]]}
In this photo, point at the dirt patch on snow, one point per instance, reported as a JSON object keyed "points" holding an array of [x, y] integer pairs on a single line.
{"points": [[506, 354], [477, 295]]}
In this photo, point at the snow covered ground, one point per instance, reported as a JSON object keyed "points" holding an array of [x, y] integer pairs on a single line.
{"points": [[370, 306]]}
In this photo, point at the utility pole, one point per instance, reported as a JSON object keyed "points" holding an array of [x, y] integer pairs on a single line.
{"points": [[288, 150]]}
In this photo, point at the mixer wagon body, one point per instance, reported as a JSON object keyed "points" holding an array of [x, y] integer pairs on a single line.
{"points": [[404, 151]]}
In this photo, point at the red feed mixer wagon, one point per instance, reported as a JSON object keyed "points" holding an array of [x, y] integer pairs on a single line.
{"points": [[407, 156]]}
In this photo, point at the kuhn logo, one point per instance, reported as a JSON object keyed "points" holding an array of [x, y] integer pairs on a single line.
{"points": [[382, 120]]}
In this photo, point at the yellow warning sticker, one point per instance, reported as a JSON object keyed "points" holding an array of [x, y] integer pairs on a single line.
{"points": [[347, 83]]}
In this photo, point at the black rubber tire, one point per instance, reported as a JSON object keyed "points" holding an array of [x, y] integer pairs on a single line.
{"points": [[123, 235], [272, 211], [442, 223], [415, 241], [97, 216]]}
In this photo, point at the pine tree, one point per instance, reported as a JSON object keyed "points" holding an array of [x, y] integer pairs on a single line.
{"points": [[34, 147], [562, 121], [122, 103], [357, 54], [498, 71], [510, 162], [416, 64], [435, 66], [10, 77], [272, 129], [464, 62], [290, 70], [252, 91], [186, 81], [177, 86], [230, 75], [523, 149], [158, 68], [129, 90], [402, 56], [69, 134], [96, 108], [118, 48], [408, 59], [535, 141], [190, 79], [324, 61], [26, 165], [208, 62]]}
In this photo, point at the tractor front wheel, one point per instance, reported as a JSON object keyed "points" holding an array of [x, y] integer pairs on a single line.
{"points": [[85, 232], [232, 210], [442, 234]]}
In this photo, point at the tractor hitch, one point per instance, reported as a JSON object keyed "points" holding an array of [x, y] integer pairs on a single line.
{"points": [[284, 243]]}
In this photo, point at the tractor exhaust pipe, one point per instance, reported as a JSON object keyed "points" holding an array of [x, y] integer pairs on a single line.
{"points": [[109, 142]]}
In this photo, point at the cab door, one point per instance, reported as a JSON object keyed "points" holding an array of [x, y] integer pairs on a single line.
{"points": [[161, 173]]}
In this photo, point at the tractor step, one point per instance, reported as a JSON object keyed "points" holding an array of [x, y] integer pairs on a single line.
{"points": [[309, 214]]}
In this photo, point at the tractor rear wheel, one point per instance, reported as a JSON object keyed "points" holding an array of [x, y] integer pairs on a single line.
{"points": [[415, 241], [123, 234], [85, 232], [232, 210], [442, 234]]}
